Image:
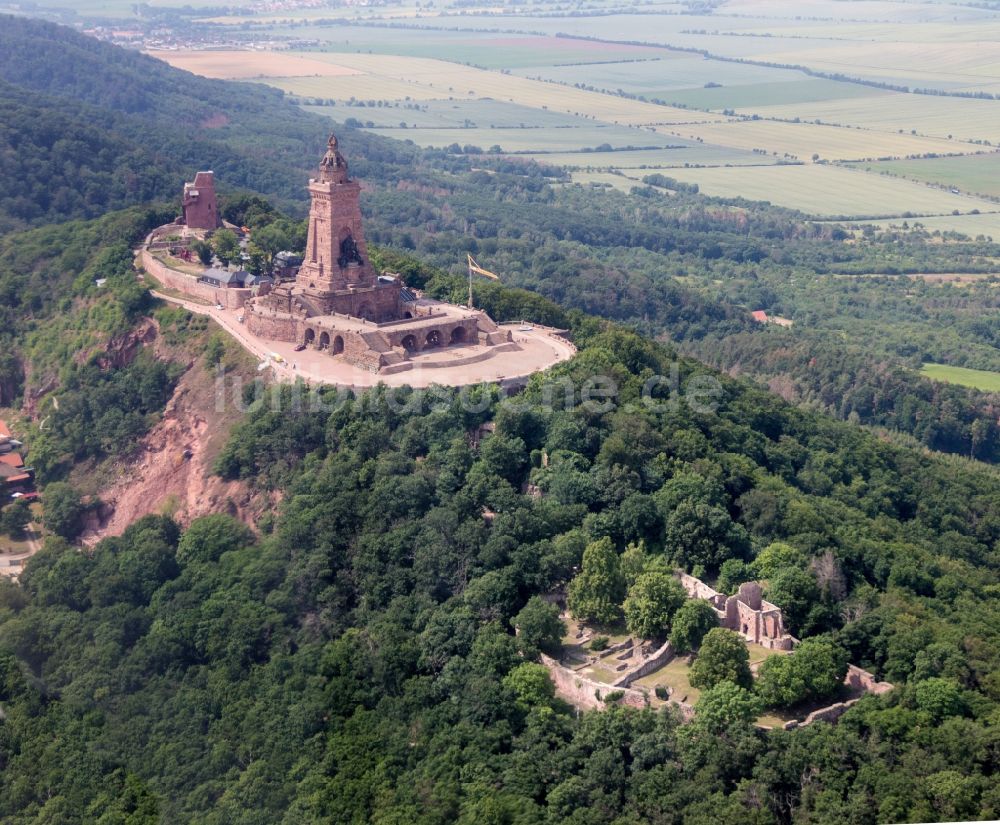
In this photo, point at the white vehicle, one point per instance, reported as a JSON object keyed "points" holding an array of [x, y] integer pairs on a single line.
{"points": [[219, 306]]}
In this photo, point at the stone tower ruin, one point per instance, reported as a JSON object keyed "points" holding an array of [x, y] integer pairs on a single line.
{"points": [[201, 208]]}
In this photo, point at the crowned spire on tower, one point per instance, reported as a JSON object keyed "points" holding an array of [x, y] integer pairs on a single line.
{"points": [[333, 167]]}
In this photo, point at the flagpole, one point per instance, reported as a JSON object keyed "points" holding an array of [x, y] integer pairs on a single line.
{"points": [[470, 281]]}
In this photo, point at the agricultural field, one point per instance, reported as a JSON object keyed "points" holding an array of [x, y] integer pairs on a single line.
{"points": [[249, 65], [483, 49], [976, 174], [977, 379], [986, 224], [550, 85], [650, 160], [800, 141], [827, 190], [964, 119], [442, 114], [554, 139]]}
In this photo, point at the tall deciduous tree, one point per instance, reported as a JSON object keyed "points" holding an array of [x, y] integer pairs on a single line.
{"points": [[691, 622], [596, 594], [538, 626], [651, 604], [723, 657], [226, 246], [814, 671]]}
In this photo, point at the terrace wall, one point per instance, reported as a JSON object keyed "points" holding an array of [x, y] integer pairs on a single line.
{"points": [[582, 692]]}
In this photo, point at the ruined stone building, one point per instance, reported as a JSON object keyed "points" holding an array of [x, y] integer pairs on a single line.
{"points": [[338, 303], [746, 612], [201, 207]]}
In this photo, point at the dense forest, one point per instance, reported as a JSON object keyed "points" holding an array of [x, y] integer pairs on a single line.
{"points": [[365, 654], [357, 662]]}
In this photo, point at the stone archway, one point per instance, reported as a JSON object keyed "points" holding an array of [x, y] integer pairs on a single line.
{"points": [[324, 340], [407, 314], [310, 336], [365, 311], [338, 345], [458, 335], [433, 339], [409, 343]]}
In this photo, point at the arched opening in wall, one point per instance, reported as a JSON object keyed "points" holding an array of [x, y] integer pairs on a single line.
{"points": [[310, 336], [409, 343], [338, 345], [407, 314], [433, 339], [365, 311], [324, 340], [458, 335], [746, 627]]}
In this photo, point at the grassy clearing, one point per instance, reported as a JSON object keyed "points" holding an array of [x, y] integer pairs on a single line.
{"points": [[978, 174], [618, 182], [827, 190], [977, 379], [674, 675]]}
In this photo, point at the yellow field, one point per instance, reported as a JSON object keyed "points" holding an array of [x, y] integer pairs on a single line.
{"points": [[383, 77], [828, 190], [802, 140], [449, 78], [360, 86], [242, 65], [965, 118]]}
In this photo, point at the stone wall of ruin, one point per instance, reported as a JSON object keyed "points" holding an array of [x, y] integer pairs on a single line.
{"points": [[189, 285], [655, 661], [582, 692]]}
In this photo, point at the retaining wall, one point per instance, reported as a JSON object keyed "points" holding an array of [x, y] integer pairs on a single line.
{"points": [[582, 692], [656, 660], [189, 285]]}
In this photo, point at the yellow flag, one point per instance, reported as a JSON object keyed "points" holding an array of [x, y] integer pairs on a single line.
{"points": [[474, 267]]}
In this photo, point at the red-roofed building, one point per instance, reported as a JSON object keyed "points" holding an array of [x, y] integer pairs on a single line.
{"points": [[759, 316], [12, 459]]}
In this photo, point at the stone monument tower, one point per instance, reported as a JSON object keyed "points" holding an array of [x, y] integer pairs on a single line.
{"points": [[336, 255]]}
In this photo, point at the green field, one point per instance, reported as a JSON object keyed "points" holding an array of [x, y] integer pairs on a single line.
{"points": [[438, 114], [649, 160], [977, 379], [554, 139], [977, 174], [827, 190], [489, 50], [986, 224]]}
